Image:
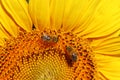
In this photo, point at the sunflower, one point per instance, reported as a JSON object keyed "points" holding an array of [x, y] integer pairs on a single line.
{"points": [[59, 40]]}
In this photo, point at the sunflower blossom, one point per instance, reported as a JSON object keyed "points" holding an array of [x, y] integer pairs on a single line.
{"points": [[59, 40]]}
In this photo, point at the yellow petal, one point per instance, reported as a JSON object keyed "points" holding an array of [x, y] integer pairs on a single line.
{"points": [[108, 66], [104, 20], [3, 31], [7, 24], [39, 12], [107, 58], [77, 14], [109, 47], [14, 14], [3, 36], [56, 13], [97, 41]]}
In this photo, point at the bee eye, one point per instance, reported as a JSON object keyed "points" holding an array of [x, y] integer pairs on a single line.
{"points": [[46, 37], [74, 57]]}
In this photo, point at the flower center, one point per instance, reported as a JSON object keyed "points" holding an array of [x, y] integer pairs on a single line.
{"points": [[48, 54]]}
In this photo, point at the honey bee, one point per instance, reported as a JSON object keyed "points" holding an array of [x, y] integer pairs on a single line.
{"points": [[46, 37], [72, 54], [49, 39]]}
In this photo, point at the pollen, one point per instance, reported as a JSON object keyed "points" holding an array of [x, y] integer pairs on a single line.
{"points": [[48, 54]]}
